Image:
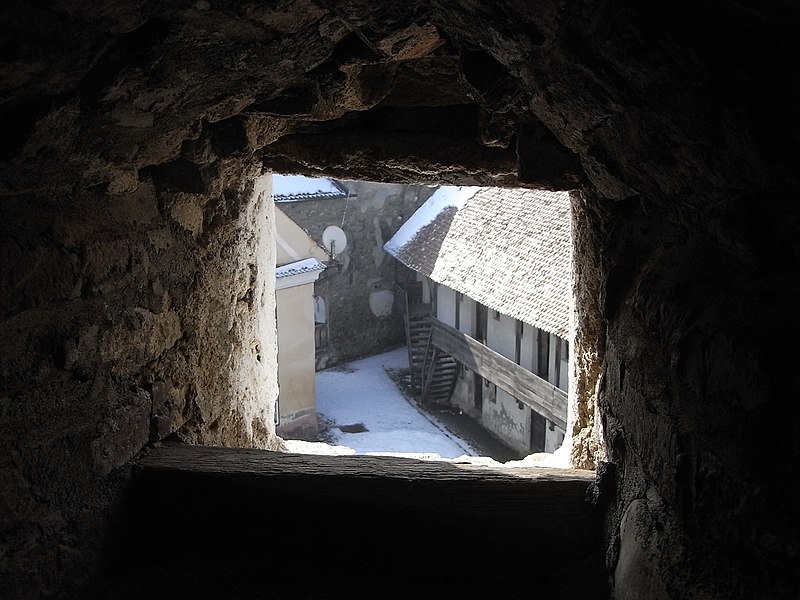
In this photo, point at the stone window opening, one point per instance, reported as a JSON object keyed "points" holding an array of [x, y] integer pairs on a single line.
{"points": [[130, 279], [559, 352]]}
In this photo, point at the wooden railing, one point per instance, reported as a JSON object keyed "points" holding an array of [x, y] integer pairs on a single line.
{"points": [[542, 396]]}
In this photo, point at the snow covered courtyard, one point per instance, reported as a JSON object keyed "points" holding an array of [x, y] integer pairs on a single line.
{"points": [[363, 411], [368, 414]]}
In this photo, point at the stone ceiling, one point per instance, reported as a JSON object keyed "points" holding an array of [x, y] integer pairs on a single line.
{"points": [[544, 94]]}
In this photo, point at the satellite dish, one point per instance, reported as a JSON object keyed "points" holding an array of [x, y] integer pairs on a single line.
{"points": [[334, 239]]}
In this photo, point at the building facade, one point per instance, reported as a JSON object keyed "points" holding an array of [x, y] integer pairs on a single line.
{"points": [[300, 262], [493, 274]]}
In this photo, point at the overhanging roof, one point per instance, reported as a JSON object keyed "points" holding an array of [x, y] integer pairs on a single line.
{"points": [[509, 249]]}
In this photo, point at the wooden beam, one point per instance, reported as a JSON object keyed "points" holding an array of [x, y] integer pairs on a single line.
{"points": [[542, 396]]}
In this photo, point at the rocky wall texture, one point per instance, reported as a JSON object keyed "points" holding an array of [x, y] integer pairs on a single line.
{"points": [[695, 363], [675, 122], [127, 318], [584, 425]]}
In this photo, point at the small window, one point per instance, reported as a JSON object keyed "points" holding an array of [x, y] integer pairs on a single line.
{"points": [[481, 314], [497, 315], [518, 343], [491, 391], [543, 354]]}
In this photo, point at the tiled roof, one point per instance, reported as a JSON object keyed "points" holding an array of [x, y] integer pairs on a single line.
{"points": [[307, 265], [295, 188], [509, 249]]}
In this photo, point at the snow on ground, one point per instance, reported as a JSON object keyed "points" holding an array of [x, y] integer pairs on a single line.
{"points": [[361, 395]]}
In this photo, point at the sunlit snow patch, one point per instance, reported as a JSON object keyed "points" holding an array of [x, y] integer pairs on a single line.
{"points": [[303, 447]]}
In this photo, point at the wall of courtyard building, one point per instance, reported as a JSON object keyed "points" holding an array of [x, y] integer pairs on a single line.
{"points": [[296, 383], [497, 409], [359, 292]]}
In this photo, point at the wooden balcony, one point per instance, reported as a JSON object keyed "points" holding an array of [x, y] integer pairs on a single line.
{"points": [[542, 396]]}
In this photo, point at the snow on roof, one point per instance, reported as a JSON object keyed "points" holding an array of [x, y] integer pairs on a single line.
{"points": [[441, 199], [508, 249], [307, 265], [293, 188]]}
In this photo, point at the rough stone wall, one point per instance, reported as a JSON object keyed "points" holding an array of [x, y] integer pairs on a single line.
{"points": [[362, 316], [694, 361], [126, 318], [589, 329]]}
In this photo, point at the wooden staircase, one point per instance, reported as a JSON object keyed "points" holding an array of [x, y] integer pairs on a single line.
{"points": [[433, 371], [418, 335], [440, 372]]}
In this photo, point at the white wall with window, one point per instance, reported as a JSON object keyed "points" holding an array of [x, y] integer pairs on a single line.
{"points": [[501, 333], [446, 305], [465, 307], [538, 351]]}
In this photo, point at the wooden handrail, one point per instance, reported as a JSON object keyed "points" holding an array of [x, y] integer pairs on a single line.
{"points": [[542, 396]]}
